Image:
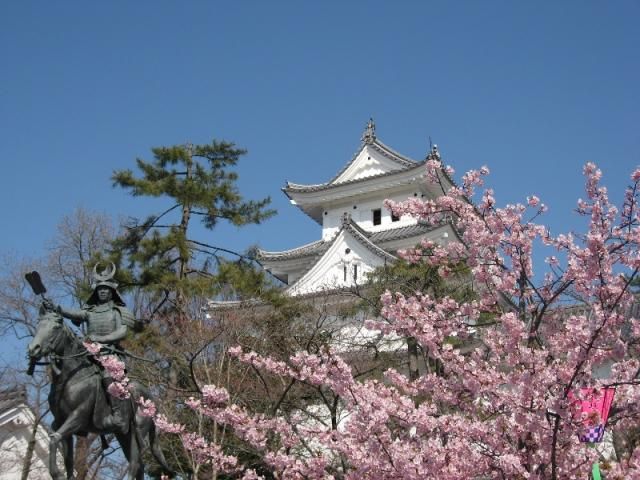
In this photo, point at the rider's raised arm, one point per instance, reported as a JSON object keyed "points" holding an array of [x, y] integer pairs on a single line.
{"points": [[76, 316]]}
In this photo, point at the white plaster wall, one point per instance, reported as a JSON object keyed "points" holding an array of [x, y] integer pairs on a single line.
{"points": [[363, 214], [328, 273], [15, 429], [295, 275]]}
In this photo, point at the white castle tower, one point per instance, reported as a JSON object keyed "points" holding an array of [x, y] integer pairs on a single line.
{"points": [[358, 233]]}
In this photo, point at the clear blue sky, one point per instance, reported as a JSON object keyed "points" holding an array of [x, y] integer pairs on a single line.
{"points": [[531, 89]]}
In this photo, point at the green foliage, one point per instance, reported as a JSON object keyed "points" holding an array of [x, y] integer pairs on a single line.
{"points": [[196, 177], [411, 278], [175, 273], [160, 251]]}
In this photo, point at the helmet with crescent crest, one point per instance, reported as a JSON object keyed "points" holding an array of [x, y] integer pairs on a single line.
{"points": [[103, 277]]}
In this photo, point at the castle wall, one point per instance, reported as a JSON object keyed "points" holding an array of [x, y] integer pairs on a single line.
{"points": [[363, 213]]}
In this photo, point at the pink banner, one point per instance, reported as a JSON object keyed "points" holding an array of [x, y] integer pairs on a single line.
{"points": [[593, 406]]}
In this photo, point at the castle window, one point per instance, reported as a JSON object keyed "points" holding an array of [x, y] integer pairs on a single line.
{"points": [[394, 218], [355, 273], [345, 273], [377, 216]]}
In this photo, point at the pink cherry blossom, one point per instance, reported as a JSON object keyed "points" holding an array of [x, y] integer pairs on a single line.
{"points": [[512, 360], [147, 407], [115, 369]]}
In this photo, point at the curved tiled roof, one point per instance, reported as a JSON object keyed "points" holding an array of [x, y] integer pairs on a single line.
{"points": [[313, 248], [404, 162], [402, 232], [364, 237], [301, 188], [359, 234], [380, 147], [11, 397], [320, 246]]}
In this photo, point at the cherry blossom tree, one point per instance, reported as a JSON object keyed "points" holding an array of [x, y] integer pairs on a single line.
{"points": [[504, 406]]}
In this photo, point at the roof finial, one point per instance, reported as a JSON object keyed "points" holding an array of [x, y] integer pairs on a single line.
{"points": [[433, 154], [369, 134]]}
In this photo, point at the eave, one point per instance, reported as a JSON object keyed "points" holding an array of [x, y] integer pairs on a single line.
{"points": [[402, 161], [348, 227], [311, 198]]}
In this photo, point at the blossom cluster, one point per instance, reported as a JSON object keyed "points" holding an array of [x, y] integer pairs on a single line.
{"points": [[501, 405], [115, 369]]}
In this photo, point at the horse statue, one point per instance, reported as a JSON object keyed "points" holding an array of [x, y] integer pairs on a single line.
{"points": [[78, 401]]}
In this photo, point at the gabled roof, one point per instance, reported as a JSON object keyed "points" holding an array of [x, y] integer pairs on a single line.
{"points": [[400, 160], [17, 420], [303, 260], [312, 199], [320, 246], [397, 162], [348, 232], [363, 237], [400, 163], [375, 167], [292, 188]]}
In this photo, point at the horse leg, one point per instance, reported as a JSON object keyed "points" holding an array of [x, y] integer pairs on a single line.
{"points": [[71, 425], [54, 438], [67, 454], [133, 454], [54, 471], [146, 435], [136, 467], [141, 432], [155, 447]]}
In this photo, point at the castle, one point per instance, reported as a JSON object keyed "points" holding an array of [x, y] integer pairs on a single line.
{"points": [[358, 233]]}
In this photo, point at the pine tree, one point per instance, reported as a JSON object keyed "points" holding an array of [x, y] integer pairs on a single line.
{"points": [[172, 271], [162, 255]]}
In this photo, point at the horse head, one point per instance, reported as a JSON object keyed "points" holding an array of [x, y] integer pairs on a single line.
{"points": [[47, 338]]}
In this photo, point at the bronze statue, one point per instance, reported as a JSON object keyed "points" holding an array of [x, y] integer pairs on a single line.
{"points": [[78, 398], [108, 321]]}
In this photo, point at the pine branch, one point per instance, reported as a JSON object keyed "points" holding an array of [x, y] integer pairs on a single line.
{"points": [[220, 249]]}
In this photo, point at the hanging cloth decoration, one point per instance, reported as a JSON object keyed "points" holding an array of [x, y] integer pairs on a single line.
{"points": [[594, 406]]}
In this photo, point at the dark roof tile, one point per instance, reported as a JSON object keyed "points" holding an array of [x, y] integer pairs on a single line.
{"points": [[12, 397]]}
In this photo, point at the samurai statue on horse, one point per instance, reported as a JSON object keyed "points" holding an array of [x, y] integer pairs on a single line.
{"points": [[80, 398], [107, 322]]}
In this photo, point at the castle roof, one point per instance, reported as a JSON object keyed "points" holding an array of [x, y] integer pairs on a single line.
{"points": [[318, 248], [350, 237], [12, 397], [374, 173], [397, 163], [311, 262], [374, 168], [378, 239]]}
